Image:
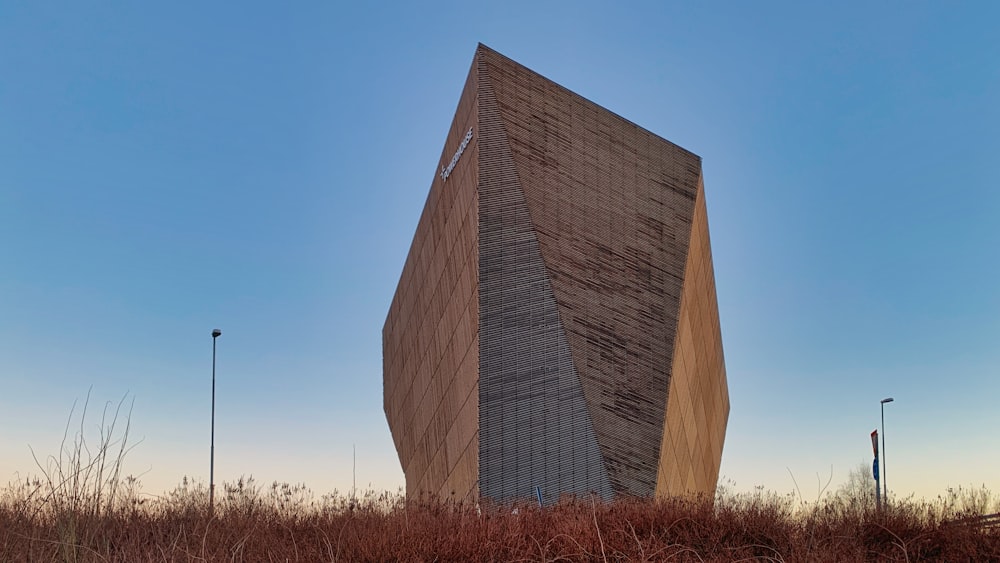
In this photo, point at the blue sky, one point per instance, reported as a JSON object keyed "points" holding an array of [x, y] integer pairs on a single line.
{"points": [[166, 170]]}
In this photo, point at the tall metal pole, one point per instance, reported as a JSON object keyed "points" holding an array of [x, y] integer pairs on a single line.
{"points": [[885, 483], [211, 462]]}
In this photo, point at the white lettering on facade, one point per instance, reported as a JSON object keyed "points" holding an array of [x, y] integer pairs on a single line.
{"points": [[446, 170]]}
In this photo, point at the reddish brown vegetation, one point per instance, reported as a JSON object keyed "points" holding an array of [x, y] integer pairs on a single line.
{"points": [[284, 523], [83, 509]]}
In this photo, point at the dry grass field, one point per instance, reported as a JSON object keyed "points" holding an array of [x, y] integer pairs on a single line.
{"points": [[82, 508], [286, 523]]}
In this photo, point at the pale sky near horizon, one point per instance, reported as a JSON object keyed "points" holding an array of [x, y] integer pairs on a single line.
{"points": [[166, 170]]}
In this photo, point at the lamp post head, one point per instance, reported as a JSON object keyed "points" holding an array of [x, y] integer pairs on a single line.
{"points": [[886, 400], [216, 333]]}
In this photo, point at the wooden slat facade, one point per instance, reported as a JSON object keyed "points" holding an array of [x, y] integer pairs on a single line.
{"points": [[556, 324]]}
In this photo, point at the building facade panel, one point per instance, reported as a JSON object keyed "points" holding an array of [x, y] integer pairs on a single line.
{"points": [[533, 418], [698, 402], [430, 337]]}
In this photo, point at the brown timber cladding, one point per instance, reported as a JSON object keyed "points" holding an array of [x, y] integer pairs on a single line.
{"points": [[430, 338], [698, 402], [584, 353]]}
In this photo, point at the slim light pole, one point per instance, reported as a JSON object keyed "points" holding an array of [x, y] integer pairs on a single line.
{"points": [[211, 460], [885, 484]]}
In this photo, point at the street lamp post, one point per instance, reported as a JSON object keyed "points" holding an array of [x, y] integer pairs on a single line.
{"points": [[885, 484], [211, 461]]}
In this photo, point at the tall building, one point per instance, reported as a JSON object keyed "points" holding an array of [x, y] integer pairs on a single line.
{"points": [[555, 327]]}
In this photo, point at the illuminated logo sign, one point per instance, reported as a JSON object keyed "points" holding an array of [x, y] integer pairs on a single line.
{"points": [[446, 170]]}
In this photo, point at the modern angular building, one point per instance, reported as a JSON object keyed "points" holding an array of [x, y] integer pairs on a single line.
{"points": [[555, 325]]}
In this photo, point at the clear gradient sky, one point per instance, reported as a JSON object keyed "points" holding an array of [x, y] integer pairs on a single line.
{"points": [[260, 168]]}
